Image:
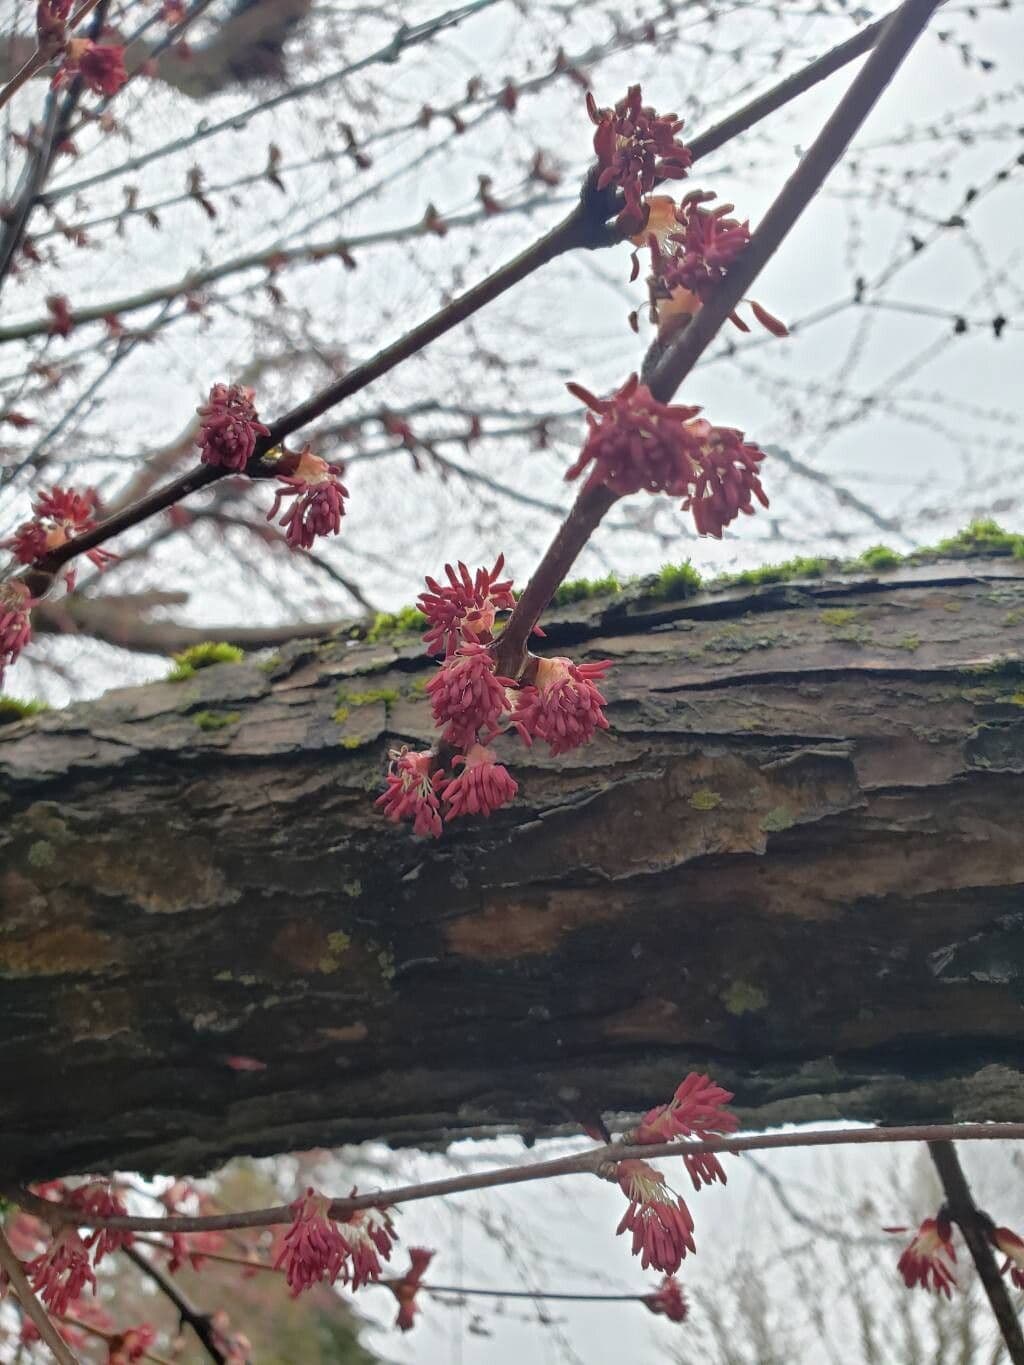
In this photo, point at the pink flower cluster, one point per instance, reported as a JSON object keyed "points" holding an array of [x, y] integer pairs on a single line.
{"points": [[929, 1258], [62, 1273], [557, 701], [16, 603], [638, 444], [57, 517], [317, 1247], [318, 499], [100, 65], [668, 1300], [657, 1216], [636, 147], [229, 427]]}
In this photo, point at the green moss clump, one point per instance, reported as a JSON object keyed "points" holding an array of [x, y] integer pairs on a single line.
{"points": [[674, 582], [839, 616], [909, 642], [12, 709], [353, 741], [216, 720], [340, 716], [803, 566], [268, 665], [875, 557], [405, 621], [189, 661], [983, 535], [579, 589]]}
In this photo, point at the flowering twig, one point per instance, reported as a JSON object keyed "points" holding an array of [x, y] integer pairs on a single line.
{"points": [[10, 1266], [40, 57], [964, 1212], [590, 1162]]}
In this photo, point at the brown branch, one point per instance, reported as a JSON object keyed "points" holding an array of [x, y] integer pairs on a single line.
{"points": [[901, 32], [972, 1223], [41, 58], [201, 1323], [593, 1161], [12, 1268]]}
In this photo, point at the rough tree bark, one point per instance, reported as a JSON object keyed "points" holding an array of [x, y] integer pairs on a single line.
{"points": [[796, 859]]}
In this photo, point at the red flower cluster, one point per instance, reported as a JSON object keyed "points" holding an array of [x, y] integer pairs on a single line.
{"points": [[319, 500], [668, 1300], [468, 696], [471, 704], [62, 1273], [636, 147], [406, 1289], [132, 1345], [638, 444], [16, 603], [230, 426], [695, 1110], [659, 1220], [100, 65], [1012, 1248], [464, 609], [316, 1247], [100, 1201], [929, 1259], [58, 516], [563, 706], [51, 18]]}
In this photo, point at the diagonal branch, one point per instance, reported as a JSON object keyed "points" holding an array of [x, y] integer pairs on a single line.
{"points": [[200, 1322], [971, 1222]]}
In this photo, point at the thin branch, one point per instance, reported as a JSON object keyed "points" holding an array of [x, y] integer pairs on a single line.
{"points": [[902, 30], [201, 1323], [12, 1268], [972, 1224], [593, 1161]]}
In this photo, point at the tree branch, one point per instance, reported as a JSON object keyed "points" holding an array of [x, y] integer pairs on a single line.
{"points": [[970, 1221], [201, 1323], [12, 1268]]}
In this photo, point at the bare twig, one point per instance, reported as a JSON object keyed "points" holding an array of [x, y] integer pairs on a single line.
{"points": [[40, 58], [964, 1212], [201, 1323]]}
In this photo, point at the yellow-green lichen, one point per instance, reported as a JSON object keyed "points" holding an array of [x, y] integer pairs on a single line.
{"points": [[340, 716], [354, 741], [909, 642], [742, 997], [338, 944], [13, 708], [778, 819], [353, 888], [189, 661], [216, 720], [41, 854], [384, 694], [268, 665], [839, 616], [705, 799]]}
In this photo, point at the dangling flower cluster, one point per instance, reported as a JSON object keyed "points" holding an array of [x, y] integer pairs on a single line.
{"points": [[636, 147], [16, 603], [668, 1300], [132, 1345], [62, 1273], [58, 516], [658, 1218], [638, 444], [319, 499], [406, 1289], [557, 701], [100, 65], [230, 426], [464, 609], [316, 1247], [930, 1257]]}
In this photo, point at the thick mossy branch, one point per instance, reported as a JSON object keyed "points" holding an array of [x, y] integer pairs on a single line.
{"points": [[795, 858]]}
